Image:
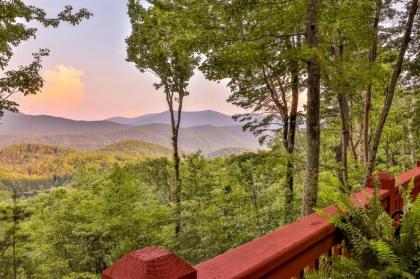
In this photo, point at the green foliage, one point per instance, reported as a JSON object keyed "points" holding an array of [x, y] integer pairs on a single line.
{"points": [[378, 247], [227, 202], [38, 167], [78, 230], [12, 237], [157, 44], [84, 228]]}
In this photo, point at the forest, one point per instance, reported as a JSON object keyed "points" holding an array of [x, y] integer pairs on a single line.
{"points": [[354, 64]]}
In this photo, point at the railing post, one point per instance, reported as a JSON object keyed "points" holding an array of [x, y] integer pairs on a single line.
{"points": [[150, 263], [386, 181]]}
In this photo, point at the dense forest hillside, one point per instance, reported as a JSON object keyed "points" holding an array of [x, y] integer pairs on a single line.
{"points": [[137, 148], [39, 166], [35, 166], [26, 153]]}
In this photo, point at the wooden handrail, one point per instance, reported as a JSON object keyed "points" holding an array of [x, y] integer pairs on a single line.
{"points": [[284, 253]]}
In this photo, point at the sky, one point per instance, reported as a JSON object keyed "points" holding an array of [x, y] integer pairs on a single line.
{"points": [[86, 75]]}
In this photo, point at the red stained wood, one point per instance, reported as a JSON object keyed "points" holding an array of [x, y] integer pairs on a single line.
{"points": [[406, 177], [361, 198], [307, 258], [282, 252], [150, 263], [263, 255]]}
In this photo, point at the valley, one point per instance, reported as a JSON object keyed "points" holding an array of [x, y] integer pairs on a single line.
{"points": [[40, 152]]}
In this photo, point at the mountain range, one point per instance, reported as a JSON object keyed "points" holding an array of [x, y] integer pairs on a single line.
{"points": [[188, 119], [207, 131], [42, 125]]}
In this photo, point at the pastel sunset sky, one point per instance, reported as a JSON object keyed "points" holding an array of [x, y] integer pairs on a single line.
{"points": [[87, 77]]}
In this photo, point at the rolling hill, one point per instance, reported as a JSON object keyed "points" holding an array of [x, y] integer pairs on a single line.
{"points": [[20, 154], [189, 119], [137, 148], [41, 166]]}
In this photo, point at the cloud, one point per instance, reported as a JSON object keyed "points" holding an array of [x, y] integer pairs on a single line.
{"points": [[62, 92]]}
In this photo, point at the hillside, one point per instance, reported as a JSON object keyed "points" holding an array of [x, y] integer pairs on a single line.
{"points": [[189, 119], [38, 166], [27, 153], [137, 148]]}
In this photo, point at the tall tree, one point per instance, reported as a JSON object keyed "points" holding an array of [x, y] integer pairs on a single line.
{"points": [[26, 79], [261, 59], [346, 35], [158, 45], [313, 132], [11, 216], [270, 88], [373, 53], [392, 85]]}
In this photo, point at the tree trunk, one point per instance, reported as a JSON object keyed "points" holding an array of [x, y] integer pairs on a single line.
{"points": [[177, 186], [344, 115], [366, 122], [411, 141], [390, 90], [368, 96], [15, 224], [254, 200], [291, 136], [310, 193], [343, 106], [351, 133], [14, 252], [338, 149], [175, 124]]}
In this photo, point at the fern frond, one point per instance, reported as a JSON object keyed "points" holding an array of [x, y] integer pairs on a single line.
{"points": [[384, 252]]}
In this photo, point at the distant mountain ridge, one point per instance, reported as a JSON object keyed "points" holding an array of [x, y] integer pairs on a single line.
{"points": [[205, 138], [188, 119], [226, 152], [91, 135], [23, 124]]}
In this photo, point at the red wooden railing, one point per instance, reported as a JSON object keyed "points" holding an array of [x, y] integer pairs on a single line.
{"points": [[288, 252]]}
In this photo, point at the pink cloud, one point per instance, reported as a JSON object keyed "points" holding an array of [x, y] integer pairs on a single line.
{"points": [[62, 92]]}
